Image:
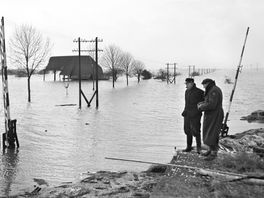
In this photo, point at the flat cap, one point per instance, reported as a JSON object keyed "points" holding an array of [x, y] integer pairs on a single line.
{"points": [[207, 80], [189, 80]]}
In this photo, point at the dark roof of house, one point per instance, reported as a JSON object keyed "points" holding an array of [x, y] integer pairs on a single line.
{"points": [[69, 66]]}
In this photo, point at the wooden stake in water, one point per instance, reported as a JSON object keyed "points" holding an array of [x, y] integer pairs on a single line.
{"points": [[225, 128], [10, 136]]}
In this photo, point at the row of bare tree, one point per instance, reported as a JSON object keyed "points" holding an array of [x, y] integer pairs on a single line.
{"points": [[29, 51], [118, 62]]}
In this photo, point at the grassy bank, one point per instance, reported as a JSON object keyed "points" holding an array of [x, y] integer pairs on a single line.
{"points": [[180, 182]]}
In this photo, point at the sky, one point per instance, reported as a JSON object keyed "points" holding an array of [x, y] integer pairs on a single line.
{"points": [[204, 33]]}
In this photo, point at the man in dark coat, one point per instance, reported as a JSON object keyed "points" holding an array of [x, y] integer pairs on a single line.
{"points": [[191, 114], [213, 117]]}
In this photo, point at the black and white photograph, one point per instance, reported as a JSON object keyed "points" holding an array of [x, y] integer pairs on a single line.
{"points": [[132, 98]]}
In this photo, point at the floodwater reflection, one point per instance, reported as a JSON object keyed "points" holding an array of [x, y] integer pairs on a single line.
{"points": [[9, 168]]}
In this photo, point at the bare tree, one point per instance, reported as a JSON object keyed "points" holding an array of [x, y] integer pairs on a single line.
{"points": [[161, 74], [127, 60], [112, 60], [28, 51], [138, 68]]}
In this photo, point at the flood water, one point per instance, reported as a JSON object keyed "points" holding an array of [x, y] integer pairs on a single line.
{"points": [[142, 121]]}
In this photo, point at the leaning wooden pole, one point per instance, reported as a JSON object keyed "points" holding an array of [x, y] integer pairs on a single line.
{"points": [[175, 166], [225, 128], [9, 137]]}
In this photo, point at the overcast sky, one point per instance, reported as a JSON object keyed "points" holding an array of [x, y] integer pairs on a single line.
{"points": [[205, 33]]}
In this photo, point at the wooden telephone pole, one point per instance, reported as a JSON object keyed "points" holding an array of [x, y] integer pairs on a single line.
{"points": [[174, 73], [191, 73], [96, 92]]}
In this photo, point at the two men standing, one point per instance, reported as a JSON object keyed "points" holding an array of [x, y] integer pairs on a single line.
{"points": [[210, 102]]}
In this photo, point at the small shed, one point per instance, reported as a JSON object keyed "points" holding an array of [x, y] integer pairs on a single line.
{"points": [[69, 66]]}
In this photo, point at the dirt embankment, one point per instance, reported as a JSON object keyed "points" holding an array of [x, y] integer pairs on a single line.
{"points": [[168, 181]]}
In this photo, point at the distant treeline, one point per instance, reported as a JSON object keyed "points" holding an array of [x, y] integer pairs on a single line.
{"points": [[20, 72]]}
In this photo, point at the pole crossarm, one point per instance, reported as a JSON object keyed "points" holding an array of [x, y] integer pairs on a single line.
{"points": [[99, 50], [87, 41], [76, 50]]}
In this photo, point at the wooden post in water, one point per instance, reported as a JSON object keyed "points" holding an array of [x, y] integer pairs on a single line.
{"points": [[9, 138], [54, 75]]}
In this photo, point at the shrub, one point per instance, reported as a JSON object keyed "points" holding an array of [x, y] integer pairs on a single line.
{"points": [[244, 162]]}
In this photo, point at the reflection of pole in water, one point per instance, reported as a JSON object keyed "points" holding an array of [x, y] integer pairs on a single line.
{"points": [[9, 171], [66, 85]]}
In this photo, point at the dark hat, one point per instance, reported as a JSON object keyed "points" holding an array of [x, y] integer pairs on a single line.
{"points": [[189, 80], [207, 80]]}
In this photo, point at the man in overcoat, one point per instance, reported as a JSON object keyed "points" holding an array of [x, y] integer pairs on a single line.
{"points": [[191, 114], [213, 117]]}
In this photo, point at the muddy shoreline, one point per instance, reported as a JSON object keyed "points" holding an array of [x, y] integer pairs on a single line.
{"points": [[167, 181]]}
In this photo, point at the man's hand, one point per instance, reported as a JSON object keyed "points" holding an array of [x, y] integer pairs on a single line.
{"points": [[200, 105], [184, 113]]}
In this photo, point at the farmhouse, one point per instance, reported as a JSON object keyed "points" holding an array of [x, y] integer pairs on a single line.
{"points": [[69, 67]]}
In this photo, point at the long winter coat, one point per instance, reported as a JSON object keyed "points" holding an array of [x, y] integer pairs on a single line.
{"points": [[213, 115], [191, 114]]}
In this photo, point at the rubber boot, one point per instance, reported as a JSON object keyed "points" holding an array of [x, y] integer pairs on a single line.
{"points": [[208, 152], [211, 156], [198, 143], [189, 144]]}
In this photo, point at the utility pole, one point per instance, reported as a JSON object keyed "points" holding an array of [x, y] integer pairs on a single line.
{"points": [[96, 61], [79, 66], [168, 73], [189, 71], [191, 74], [174, 73], [44, 72], [96, 71], [80, 73], [96, 92]]}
